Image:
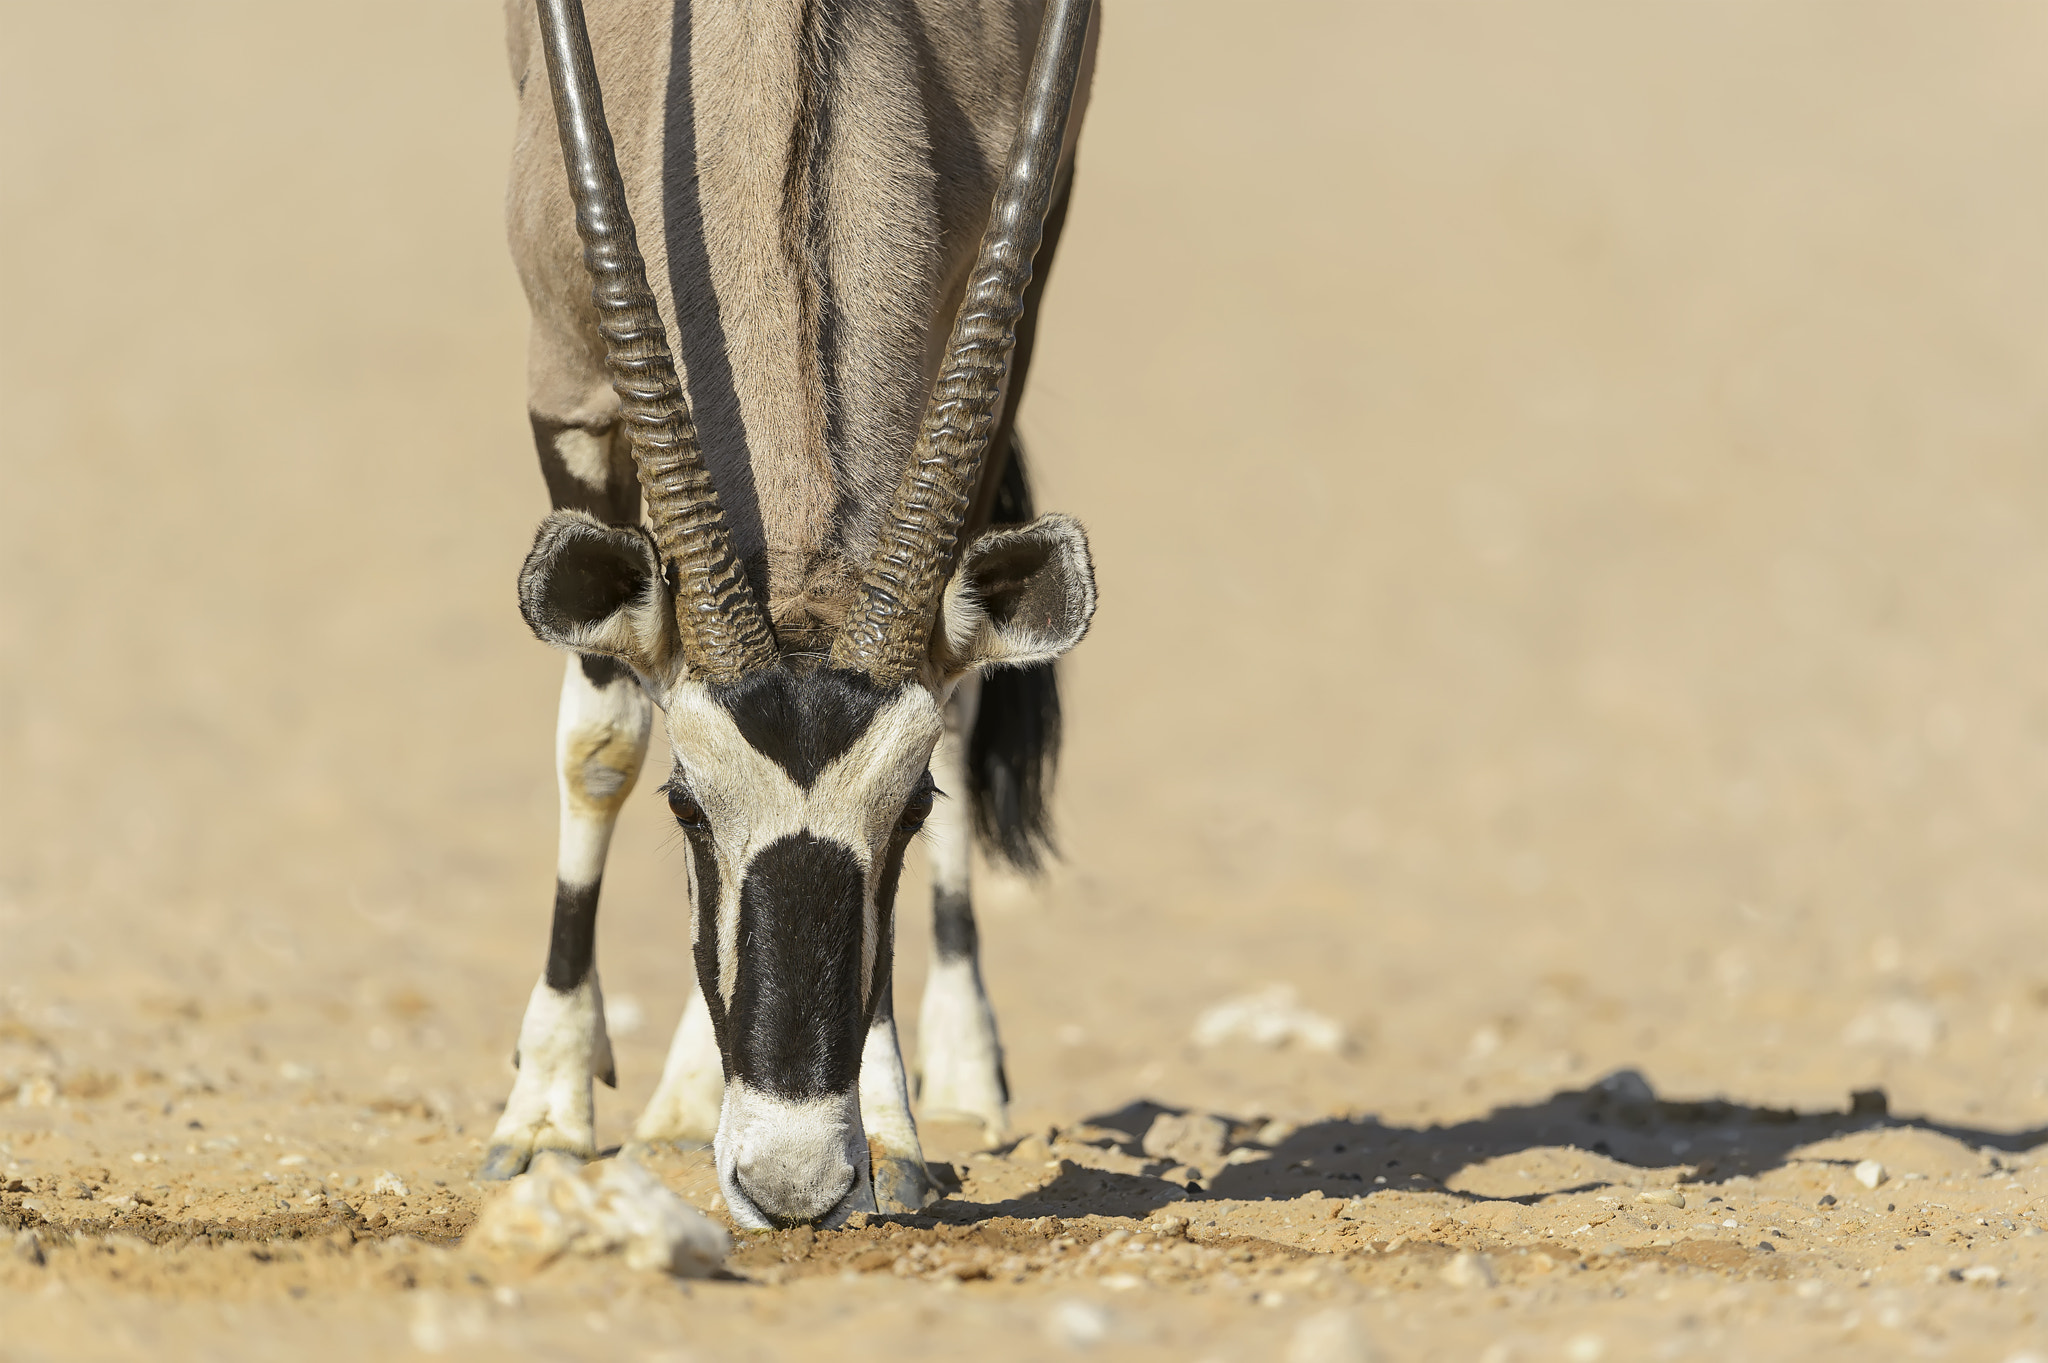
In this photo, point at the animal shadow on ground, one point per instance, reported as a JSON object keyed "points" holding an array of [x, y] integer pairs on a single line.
{"points": [[1618, 1121]]}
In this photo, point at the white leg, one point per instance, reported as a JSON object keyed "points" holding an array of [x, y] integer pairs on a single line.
{"points": [[960, 1057], [685, 1105], [600, 738], [901, 1181]]}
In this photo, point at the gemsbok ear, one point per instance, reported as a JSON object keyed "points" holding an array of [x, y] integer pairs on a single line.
{"points": [[598, 588], [1022, 594]]}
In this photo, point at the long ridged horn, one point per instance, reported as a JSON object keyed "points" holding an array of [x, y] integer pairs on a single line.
{"points": [[889, 628], [724, 631]]}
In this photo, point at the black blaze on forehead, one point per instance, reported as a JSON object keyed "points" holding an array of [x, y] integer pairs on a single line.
{"points": [[795, 1028], [802, 720]]}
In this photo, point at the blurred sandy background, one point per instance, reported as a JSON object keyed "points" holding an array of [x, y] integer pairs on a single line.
{"points": [[1566, 480]]}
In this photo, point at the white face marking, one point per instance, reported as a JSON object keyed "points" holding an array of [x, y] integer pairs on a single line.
{"points": [[784, 1159], [751, 802]]}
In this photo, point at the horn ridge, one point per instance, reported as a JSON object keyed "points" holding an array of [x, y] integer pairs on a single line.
{"points": [[724, 631], [887, 632]]}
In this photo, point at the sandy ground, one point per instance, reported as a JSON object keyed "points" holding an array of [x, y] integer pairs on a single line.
{"points": [[1567, 485]]}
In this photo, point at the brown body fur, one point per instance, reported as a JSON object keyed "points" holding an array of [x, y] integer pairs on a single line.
{"points": [[809, 180]]}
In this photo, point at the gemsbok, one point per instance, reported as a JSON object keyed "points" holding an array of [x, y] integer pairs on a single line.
{"points": [[839, 542]]}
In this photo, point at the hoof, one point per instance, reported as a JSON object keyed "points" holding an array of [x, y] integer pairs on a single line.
{"points": [[503, 1161], [902, 1185]]}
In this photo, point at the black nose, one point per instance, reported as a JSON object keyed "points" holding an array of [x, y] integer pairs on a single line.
{"points": [[796, 1023]]}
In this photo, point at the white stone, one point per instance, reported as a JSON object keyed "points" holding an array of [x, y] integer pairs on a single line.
{"points": [[1330, 1337], [1663, 1197], [389, 1184], [1270, 1017], [1906, 1025], [1983, 1275], [1469, 1270], [560, 1206], [1870, 1173], [1077, 1324], [1192, 1138], [623, 1015]]}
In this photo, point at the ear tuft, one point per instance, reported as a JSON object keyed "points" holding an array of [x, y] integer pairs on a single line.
{"points": [[598, 588], [1022, 594]]}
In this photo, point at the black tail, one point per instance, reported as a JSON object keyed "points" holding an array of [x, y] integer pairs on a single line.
{"points": [[1016, 744]]}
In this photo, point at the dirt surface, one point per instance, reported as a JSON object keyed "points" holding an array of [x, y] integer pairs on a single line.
{"points": [[1567, 485]]}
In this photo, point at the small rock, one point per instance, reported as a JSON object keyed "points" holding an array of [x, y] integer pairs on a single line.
{"points": [[1982, 1275], [1077, 1324], [1171, 1226], [1329, 1337], [389, 1184], [1906, 1025], [1275, 1131], [1191, 1138], [1470, 1270], [28, 1247], [623, 1015], [610, 1207], [1870, 1173], [1270, 1017], [1662, 1197], [1033, 1149]]}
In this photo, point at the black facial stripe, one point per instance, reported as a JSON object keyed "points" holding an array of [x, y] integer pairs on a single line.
{"points": [[801, 721], [704, 947], [601, 671], [882, 994], [954, 936], [573, 940], [796, 1024]]}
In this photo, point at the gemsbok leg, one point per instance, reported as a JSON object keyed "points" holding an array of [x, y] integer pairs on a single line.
{"points": [[601, 735], [961, 1058]]}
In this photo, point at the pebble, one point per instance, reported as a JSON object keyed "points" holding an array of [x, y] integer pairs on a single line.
{"points": [[1191, 1138], [1329, 1337], [1870, 1173], [1663, 1197], [389, 1184], [1983, 1275], [1470, 1270], [1270, 1017], [1078, 1324]]}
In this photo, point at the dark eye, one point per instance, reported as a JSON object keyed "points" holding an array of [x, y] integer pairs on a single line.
{"points": [[919, 809], [688, 812]]}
